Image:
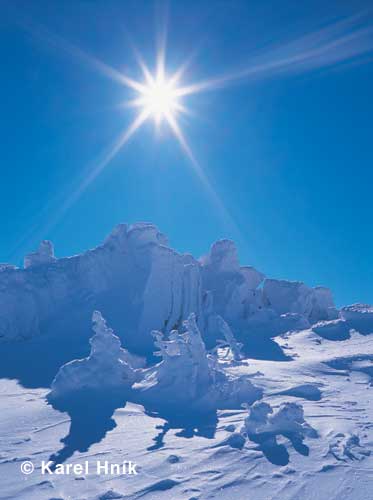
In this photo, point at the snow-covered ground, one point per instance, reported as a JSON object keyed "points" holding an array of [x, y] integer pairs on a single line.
{"points": [[330, 379], [304, 369]]}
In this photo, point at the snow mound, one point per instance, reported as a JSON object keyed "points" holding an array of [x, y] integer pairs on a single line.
{"points": [[288, 420], [106, 369]]}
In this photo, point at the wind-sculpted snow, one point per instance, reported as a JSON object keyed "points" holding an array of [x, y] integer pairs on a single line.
{"points": [[188, 380], [140, 285], [263, 426], [108, 367], [287, 420]]}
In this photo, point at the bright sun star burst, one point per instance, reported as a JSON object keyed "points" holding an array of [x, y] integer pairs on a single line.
{"points": [[159, 98]]}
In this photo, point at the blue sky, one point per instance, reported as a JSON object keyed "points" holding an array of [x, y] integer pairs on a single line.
{"points": [[288, 152]]}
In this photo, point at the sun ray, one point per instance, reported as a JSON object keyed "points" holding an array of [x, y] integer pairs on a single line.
{"points": [[201, 174], [101, 164]]}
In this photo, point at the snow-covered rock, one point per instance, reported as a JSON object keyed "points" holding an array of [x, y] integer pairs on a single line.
{"points": [[315, 304], [336, 329], [107, 369], [287, 420], [359, 317], [43, 255]]}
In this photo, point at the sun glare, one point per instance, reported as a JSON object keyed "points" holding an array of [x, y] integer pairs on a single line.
{"points": [[159, 99]]}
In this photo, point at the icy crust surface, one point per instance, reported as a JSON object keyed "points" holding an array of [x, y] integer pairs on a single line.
{"points": [[140, 284]]}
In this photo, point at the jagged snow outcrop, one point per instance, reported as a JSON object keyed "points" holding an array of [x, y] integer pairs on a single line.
{"points": [[187, 379], [140, 285], [357, 317], [295, 297], [249, 302], [235, 347], [44, 255], [107, 369]]}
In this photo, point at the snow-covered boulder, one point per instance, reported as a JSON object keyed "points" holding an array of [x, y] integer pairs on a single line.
{"points": [[287, 420], [106, 370], [359, 317], [257, 420], [336, 329]]}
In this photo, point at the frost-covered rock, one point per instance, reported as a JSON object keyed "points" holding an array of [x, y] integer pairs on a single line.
{"points": [[359, 317], [337, 329], [44, 254], [107, 369], [295, 297]]}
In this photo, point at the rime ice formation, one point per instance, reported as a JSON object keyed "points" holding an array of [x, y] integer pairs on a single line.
{"points": [[287, 420], [140, 285], [187, 379], [295, 297], [43, 255], [229, 339], [106, 369]]}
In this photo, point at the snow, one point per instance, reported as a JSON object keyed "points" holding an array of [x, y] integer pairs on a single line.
{"points": [[259, 388], [43, 255], [359, 317], [188, 379], [107, 368]]}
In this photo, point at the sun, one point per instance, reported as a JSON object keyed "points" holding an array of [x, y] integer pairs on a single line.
{"points": [[159, 98]]}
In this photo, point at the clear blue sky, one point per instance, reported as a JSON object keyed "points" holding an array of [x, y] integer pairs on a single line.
{"points": [[288, 152]]}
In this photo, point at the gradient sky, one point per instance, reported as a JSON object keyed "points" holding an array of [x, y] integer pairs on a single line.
{"points": [[288, 152]]}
